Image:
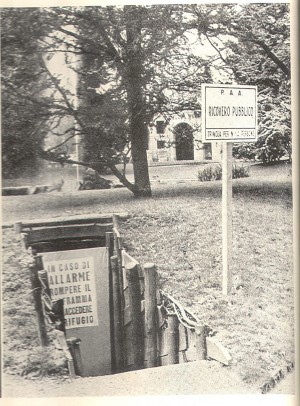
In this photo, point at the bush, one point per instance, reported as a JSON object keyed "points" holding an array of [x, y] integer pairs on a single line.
{"points": [[244, 151], [214, 172], [240, 171], [273, 147], [210, 172]]}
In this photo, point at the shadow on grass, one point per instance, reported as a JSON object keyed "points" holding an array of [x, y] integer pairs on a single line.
{"points": [[16, 208], [243, 188]]}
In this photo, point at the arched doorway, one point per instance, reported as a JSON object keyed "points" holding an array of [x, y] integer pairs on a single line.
{"points": [[184, 142]]}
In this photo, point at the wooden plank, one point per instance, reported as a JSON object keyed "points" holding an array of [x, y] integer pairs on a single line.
{"points": [[163, 361], [124, 280], [109, 242], [64, 232], [137, 336], [69, 244], [161, 317], [191, 353], [142, 280], [74, 347], [128, 346], [37, 300], [217, 351], [117, 318], [172, 339], [200, 342], [24, 241], [18, 227], [150, 314], [126, 297], [126, 259], [118, 239], [182, 357], [120, 243], [162, 342], [183, 343], [72, 220], [126, 315]]}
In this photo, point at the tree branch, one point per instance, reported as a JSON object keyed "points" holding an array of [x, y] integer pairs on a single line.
{"points": [[272, 56]]}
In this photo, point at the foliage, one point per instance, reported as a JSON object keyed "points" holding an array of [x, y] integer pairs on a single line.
{"points": [[271, 148], [214, 172], [23, 124], [129, 64], [244, 151], [210, 172], [257, 50], [240, 171]]}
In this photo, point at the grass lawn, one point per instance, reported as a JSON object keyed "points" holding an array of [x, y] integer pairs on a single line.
{"points": [[179, 229]]}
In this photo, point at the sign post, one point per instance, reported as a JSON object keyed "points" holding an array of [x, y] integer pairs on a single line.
{"points": [[229, 114], [227, 216]]}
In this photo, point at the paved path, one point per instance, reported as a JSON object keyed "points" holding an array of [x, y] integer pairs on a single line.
{"points": [[195, 378]]}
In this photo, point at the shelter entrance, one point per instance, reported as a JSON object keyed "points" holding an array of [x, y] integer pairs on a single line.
{"points": [[184, 142]]}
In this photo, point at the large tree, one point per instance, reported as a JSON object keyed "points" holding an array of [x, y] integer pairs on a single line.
{"points": [[137, 61], [116, 53], [22, 83]]}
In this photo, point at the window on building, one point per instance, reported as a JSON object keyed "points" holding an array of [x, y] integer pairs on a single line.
{"points": [[161, 144], [160, 127]]}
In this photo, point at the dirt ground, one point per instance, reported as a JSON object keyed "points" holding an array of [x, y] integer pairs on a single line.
{"points": [[196, 378]]}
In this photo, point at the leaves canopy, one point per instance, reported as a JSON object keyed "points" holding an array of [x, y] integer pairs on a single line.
{"points": [[131, 63]]}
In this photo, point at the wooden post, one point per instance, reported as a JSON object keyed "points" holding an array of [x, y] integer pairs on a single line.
{"points": [[24, 241], [116, 249], [117, 318], [173, 339], [74, 348], [137, 338], [109, 241], [38, 305], [44, 278], [115, 220], [227, 217], [18, 227], [150, 314], [200, 332]]}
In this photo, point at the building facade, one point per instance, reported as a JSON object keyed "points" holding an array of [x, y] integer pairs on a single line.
{"points": [[179, 138]]}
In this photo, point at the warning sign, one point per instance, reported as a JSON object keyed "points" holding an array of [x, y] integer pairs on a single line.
{"points": [[229, 113], [74, 281]]}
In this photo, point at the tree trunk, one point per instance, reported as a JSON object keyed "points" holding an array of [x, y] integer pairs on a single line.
{"points": [[136, 107]]}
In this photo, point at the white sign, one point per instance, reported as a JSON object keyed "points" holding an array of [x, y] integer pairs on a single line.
{"points": [[74, 281], [229, 113]]}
